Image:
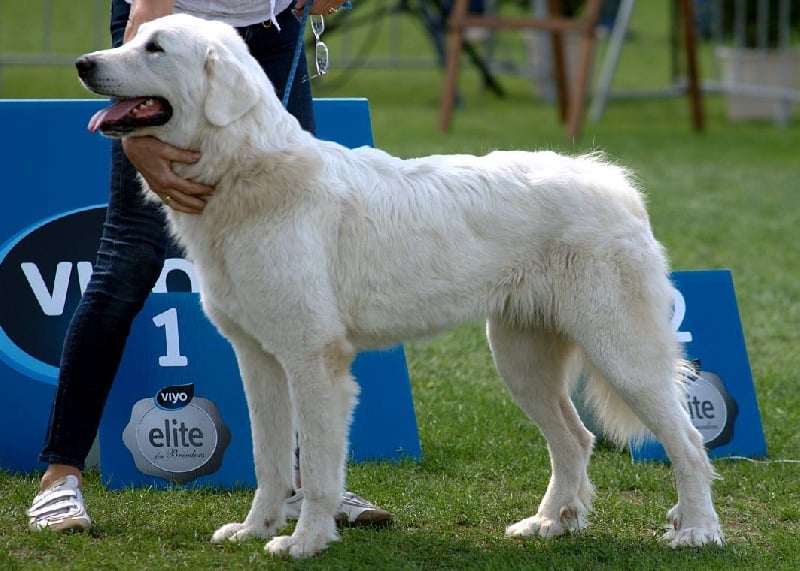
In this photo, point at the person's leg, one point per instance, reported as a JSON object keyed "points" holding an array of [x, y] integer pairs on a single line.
{"points": [[129, 260], [128, 263]]}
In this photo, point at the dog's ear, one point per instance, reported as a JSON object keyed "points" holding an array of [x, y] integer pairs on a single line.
{"points": [[232, 88]]}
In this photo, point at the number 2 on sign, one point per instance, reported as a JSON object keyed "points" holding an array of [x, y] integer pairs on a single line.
{"points": [[169, 321], [678, 313]]}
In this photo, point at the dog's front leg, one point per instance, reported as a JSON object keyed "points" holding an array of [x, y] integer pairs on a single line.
{"points": [[269, 406], [324, 395]]}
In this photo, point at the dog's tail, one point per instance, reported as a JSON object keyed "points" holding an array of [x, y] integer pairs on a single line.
{"points": [[605, 411]]}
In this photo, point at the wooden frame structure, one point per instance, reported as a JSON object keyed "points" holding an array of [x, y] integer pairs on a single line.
{"points": [[571, 106]]}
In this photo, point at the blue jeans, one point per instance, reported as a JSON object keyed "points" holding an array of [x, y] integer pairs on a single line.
{"points": [[130, 257]]}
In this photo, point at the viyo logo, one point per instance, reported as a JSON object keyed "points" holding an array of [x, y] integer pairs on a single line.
{"points": [[44, 271], [175, 397]]}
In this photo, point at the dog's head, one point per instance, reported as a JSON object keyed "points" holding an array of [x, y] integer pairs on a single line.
{"points": [[177, 76]]}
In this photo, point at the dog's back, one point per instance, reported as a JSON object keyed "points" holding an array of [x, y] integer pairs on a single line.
{"points": [[503, 231]]}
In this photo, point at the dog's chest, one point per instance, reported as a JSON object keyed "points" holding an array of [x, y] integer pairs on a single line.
{"points": [[205, 248], [236, 266]]}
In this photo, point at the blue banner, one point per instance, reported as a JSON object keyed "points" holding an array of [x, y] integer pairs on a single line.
{"points": [[56, 188], [721, 398]]}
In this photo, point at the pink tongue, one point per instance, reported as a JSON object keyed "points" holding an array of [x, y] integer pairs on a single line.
{"points": [[117, 110]]}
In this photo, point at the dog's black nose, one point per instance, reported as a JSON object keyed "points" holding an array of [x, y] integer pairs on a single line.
{"points": [[84, 65]]}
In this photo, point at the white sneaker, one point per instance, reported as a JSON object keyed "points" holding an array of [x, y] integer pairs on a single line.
{"points": [[354, 510], [59, 507], [294, 505]]}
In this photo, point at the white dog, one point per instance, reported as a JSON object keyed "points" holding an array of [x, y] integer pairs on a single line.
{"points": [[309, 252]]}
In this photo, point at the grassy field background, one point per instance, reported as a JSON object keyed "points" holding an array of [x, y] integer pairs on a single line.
{"points": [[727, 198]]}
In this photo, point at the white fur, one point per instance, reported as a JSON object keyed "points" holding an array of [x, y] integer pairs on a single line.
{"points": [[309, 252]]}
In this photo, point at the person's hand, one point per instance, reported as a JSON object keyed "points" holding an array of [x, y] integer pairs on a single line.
{"points": [[323, 7], [153, 159], [143, 11]]}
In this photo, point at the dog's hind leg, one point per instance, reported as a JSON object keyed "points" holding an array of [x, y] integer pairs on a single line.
{"points": [[324, 395], [270, 411], [536, 365], [635, 351]]}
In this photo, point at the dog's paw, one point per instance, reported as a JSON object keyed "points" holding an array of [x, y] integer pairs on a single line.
{"points": [[570, 518], [299, 545], [240, 532], [694, 536], [680, 533]]}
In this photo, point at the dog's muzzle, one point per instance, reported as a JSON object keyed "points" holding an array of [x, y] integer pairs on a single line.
{"points": [[126, 114]]}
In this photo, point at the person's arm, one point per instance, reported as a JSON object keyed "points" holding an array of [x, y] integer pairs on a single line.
{"points": [[145, 10]]}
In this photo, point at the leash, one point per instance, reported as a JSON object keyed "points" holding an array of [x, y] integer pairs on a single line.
{"points": [[298, 50]]}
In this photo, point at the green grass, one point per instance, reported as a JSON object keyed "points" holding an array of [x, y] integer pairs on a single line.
{"points": [[726, 198]]}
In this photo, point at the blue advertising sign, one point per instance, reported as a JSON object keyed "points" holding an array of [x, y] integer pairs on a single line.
{"points": [[721, 398], [177, 412], [49, 232]]}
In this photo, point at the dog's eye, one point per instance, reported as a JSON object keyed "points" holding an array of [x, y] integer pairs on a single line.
{"points": [[153, 46]]}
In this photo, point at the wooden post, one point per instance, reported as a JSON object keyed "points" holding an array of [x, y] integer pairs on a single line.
{"points": [[571, 107]]}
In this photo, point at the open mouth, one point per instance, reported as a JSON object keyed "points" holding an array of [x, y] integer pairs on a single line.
{"points": [[126, 115]]}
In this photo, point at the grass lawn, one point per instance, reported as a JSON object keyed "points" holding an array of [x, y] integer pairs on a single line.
{"points": [[727, 198]]}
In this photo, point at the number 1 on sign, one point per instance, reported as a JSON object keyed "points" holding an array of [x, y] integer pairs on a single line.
{"points": [[169, 321]]}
